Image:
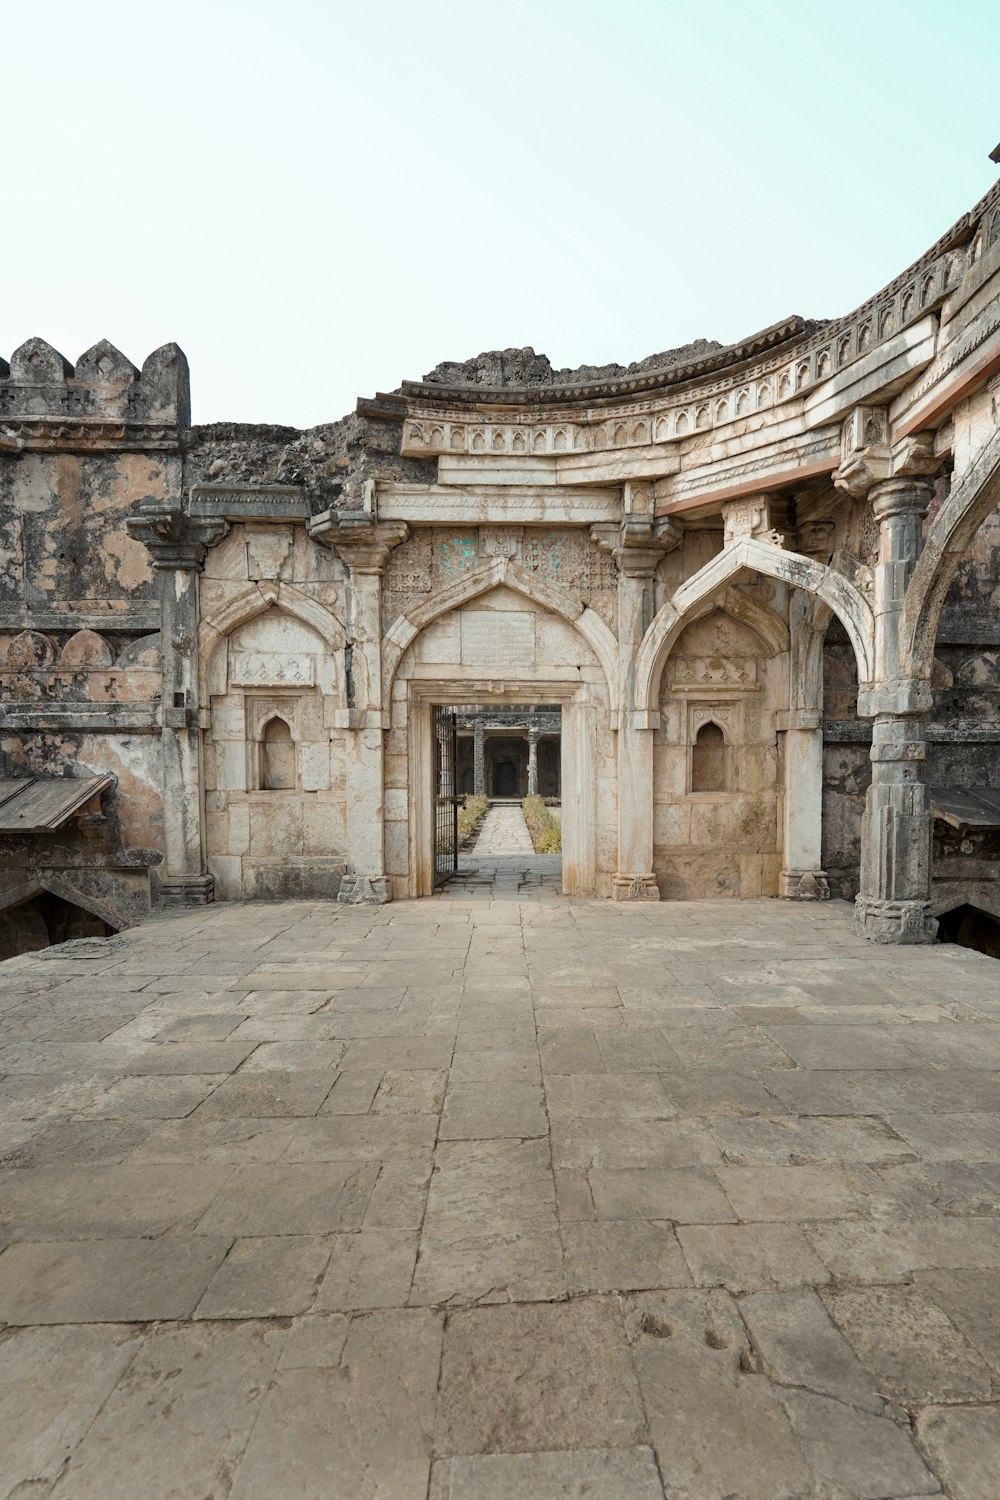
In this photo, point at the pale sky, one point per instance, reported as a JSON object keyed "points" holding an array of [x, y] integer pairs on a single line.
{"points": [[317, 200]]}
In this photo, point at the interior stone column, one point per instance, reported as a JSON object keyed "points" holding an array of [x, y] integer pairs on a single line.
{"points": [[636, 545], [802, 876], [364, 546], [177, 544], [532, 762], [479, 758], [894, 901]]}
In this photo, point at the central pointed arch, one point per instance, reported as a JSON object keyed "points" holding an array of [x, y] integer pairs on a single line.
{"points": [[748, 555], [501, 573]]}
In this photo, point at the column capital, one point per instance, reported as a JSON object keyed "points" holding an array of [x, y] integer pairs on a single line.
{"points": [[637, 542], [903, 496], [361, 543], [175, 540]]}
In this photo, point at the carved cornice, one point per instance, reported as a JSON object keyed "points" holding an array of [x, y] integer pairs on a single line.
{"points": [[56, 435]]}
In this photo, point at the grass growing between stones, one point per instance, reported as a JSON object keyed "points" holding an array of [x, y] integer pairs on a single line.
{"points": [[546, 834]]}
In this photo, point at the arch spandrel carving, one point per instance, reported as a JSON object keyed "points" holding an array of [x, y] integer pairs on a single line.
{"points": [[478, 581], [253, 602]]}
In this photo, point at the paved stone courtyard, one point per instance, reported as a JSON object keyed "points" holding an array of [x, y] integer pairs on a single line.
{"points": [[488, 1199]]}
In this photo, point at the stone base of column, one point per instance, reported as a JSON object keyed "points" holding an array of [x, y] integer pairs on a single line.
{"points": [[803, 885], [894, 921], [186, 890], [365, 890], [634, 888]]}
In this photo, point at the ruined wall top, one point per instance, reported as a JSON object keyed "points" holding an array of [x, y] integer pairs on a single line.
{"points": [[45, 401]]}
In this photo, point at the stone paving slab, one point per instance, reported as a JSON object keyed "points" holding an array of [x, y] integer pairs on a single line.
{"points": [[500, 1195]]}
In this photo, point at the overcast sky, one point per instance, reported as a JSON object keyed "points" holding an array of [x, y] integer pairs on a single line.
{"points": [[316, 200]]}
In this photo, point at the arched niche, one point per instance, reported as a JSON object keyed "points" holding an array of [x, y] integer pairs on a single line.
{"points": [[717, 772]]}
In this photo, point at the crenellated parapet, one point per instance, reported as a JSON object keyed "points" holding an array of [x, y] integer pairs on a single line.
{"points": [[101, 403]]}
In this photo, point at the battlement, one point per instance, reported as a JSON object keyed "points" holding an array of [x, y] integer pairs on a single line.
{"points": [[47, 402]]}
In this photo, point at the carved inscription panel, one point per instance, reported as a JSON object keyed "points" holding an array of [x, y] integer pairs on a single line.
{"points": [[498, 638], [271, 669]]}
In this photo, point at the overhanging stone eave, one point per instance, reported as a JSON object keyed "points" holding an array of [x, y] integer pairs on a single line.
{"points": [[699, 492]]}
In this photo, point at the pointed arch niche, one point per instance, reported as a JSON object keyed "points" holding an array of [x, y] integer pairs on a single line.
{"points": [[717, 776], [272, 664]]}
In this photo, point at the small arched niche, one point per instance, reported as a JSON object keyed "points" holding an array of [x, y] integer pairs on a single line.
{"points": [[710, 759], [277, 757]]}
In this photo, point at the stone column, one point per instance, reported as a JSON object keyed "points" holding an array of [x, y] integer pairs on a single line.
{"points": [[177, 544], [636, 545], [364, 546], [479, 758], [894, 901], [533, 762], [802, 876]]}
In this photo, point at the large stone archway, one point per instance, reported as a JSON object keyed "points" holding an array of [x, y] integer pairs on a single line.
{"points": [[501, 644]]}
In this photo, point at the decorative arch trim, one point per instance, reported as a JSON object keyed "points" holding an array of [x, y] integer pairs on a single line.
{"points": [[475, 582], [256, 601], [750, 555], [949, 536]]}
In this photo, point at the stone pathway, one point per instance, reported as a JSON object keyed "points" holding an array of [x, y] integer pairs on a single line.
{"points": [[483, 1199], [504, 831], [503, 865]]}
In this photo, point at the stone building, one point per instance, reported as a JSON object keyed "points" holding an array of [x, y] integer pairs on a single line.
{"points": [[759, 585], [508, 753]]}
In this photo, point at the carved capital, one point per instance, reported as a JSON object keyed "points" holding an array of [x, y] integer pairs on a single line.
{"points": [[901, 497], [361, 543], [753, 517], [864, 447], [174, 539], [638, 542], [916, 456]]}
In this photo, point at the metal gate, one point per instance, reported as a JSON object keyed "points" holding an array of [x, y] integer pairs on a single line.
{"points": [[445, 795]]}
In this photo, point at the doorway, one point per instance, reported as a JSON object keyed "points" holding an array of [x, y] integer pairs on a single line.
{"points": [[497, 770]]}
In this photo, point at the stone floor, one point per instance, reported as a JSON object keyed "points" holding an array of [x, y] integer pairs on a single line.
{"points": [[503, 865], [497, 1200]]}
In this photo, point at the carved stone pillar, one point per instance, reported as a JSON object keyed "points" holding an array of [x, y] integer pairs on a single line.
{"points": [[479, 758], [533, 762], [177, 544], [636, 545], [364, 546], [894, 901], [802, 876]]}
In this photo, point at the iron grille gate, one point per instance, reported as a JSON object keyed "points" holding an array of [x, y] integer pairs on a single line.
{"points": [[445, 794]]}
